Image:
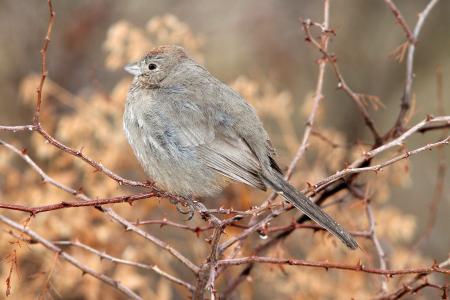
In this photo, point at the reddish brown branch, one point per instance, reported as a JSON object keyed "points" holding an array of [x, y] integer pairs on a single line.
{"points": [[96, 165], [357, 98], [318, 94], [111, 213], [116, 260], [66, 204], [407, 288], [70, 259], [359, 267], [401, 21], [266, 230], [44, 73]]}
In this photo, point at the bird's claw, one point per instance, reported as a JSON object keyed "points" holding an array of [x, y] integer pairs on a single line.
{"points": [[185, 208]]}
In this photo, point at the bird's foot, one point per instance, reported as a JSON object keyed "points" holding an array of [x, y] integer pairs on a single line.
{"points": [[185, 207]]}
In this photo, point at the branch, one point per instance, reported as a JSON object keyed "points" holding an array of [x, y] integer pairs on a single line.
{"points": [[405, 102], [445, 125], [116, 260], [318, 96], [207, 275], [111, 213], [44, 72], [352, 168], [401, 21], [438, 194], [357, 98], [327, 265], [379, 250], [18, 128], [66, 204], [70, 259], [406, 287]]}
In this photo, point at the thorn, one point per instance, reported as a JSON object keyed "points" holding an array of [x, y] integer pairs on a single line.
{"points": [[429, 117]]}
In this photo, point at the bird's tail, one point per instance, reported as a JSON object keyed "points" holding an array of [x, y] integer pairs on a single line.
{"points": [[308, 207]]}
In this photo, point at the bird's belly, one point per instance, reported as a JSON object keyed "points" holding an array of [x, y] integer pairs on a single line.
{"points": [[172, 167], [180, 172]]}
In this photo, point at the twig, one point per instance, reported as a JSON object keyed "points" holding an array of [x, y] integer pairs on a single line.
{"points": [[67, 204], [357, 98], [359, 267], [318, 96], [36, 120], [116, 260], [266, 230], [379, 249], [111, 213], [70, 259], [18, 128], [405, 102], [406, 287], [372, 153], [401, 21], [438, 193], [445, 125], [206, 275], [329, 180]]}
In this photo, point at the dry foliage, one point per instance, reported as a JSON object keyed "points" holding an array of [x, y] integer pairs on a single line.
{"points": [[92, 124]]}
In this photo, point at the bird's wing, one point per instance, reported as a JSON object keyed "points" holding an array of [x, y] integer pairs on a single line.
{"points": [[232, 157], [222, 150]]}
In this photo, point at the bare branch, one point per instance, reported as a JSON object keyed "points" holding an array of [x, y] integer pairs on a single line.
{"points": [[405, 102], [357, 98], [116, 260], [44, 73], [111, 213], [401, 21], [379, 250], [18, 128], [67, 204], [380, 166], [407, 287], [352, 168], [318, 94], [70, 259], [359, 267]]}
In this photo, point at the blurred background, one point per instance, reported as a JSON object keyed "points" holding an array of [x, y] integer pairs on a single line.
{"points": [[256, 46]]}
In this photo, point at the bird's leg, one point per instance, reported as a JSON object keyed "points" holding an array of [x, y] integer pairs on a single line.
{"points": [[184, 206]]}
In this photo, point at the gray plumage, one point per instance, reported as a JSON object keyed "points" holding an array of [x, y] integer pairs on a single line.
{"points": [[192, 134]]}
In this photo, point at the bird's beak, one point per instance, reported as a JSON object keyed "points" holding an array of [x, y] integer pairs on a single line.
{"points": [[133, 69]]}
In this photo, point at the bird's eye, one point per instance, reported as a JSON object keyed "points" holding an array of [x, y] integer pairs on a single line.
{"points": [[152, 67]]}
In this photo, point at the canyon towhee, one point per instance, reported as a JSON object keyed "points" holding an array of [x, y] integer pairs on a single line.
{"points": [[192, 133]]}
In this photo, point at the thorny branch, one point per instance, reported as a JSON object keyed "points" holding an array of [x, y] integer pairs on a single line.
{"points": [[359, 267], [406, 99], [438, 194], [379, 249], [218, 260], [69, 258], [357, 98], [398, 15], [103, 255]]}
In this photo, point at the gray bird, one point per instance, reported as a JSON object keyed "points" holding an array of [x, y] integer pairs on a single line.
{"points": [[192, 134]]}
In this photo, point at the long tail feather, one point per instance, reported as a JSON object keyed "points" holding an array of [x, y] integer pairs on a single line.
{"points": [[308, 207]]}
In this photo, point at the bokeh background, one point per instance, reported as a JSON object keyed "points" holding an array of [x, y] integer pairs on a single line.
{"points": [[256, 46]]}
